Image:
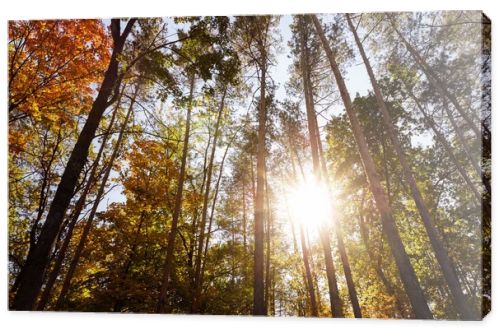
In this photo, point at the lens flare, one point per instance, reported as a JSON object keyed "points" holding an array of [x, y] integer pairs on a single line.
{"points": [[310, 204]]}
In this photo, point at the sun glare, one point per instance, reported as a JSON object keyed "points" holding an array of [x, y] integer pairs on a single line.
{"points": [[309, 204]]}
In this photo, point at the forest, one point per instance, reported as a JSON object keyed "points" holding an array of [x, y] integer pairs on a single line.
{"points": [[329, 165]]}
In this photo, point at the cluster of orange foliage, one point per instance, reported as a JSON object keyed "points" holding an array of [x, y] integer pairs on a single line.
{"points": [[54, 69]]}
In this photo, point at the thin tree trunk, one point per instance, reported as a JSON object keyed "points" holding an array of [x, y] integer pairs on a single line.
{"points": [[259, 303], [42, 204], [309, 278], [335, 301], [461, 139], [446, 264], [447, 147], [168, 266], [90, 221], [353, 295], [37, 259], [406, 271], [273, 292], [466, 148], [309, 99], [269, 227], [252, 178], [314, 272], [244, 202], [336, 306]]}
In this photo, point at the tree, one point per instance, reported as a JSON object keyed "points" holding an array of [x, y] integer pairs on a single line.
{"points": [[167, 271], [36, 263], [444, 260], [257, 40], [407, 273]]}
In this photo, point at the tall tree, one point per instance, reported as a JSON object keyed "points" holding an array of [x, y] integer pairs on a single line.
{"points": [[168, 265], [36, 262], [320, 170], [256, 40], [446, 264], [204, 212], [407, 273]]}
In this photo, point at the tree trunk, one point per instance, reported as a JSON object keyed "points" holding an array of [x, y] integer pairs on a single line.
{"points": [[335, 301], [474, 162], [406, 271], [353, 295], [37, 259], [42, 204], [309, 278], [445, 262], [389, 287], [259, 303], [269, 229], [195, 305], [296, 250], [244, 204], [461, 139], [90, 221], [168, 266], [44, 191]]}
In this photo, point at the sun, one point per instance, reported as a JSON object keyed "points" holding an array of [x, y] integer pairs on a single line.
{"points": [[310, 203]]}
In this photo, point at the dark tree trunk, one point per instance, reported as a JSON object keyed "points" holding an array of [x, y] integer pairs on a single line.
{"points": [[353, 295], [42, 203], [389, 287], [269, 231]]}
